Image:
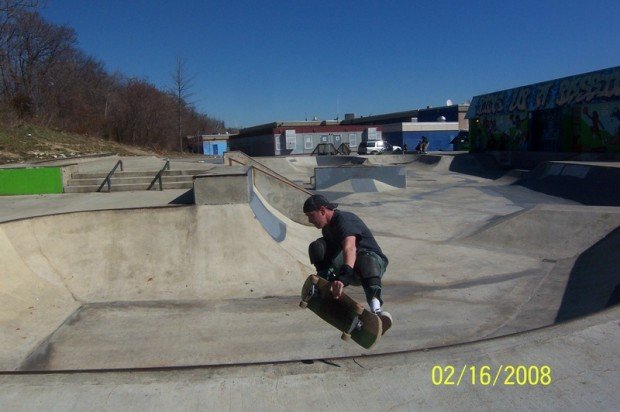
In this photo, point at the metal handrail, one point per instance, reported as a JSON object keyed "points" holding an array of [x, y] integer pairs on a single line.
{"points": [[258, 166], [108, 178], [158, 176]]}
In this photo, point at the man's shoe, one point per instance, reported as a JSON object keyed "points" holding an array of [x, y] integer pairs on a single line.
{"points": [[386, 320]]}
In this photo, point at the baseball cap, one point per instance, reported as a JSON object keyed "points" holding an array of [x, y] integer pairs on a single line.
{"points": [[315, 202]]}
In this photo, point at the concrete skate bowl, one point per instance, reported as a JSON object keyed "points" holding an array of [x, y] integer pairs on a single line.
{"points": [[207, 285], [142, 288]]}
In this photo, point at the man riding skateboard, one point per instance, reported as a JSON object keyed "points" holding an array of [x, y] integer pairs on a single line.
{"points": [[347, 254]]}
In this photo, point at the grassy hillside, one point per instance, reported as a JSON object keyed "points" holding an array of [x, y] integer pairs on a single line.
{"points": [[27, 142]]}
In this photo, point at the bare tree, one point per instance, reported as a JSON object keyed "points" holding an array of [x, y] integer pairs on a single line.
{"points": [[9, 9], [182, 83], [45, 78], [32, 49]]}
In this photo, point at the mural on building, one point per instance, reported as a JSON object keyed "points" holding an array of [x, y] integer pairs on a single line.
{"points": [[599, 126], [578, 113], [505, 132]]}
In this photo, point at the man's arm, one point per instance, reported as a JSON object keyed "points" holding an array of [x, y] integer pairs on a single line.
{"points": [[349, 253], [349, 250]]}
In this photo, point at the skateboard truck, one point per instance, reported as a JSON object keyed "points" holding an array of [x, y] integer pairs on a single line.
{"points": [[356, 324], [312, 292]]}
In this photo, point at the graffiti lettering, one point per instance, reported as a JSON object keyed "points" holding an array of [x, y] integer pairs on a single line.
{"points": [[542, 93], [613, 85], [586, 88], [573, 90], [490, 104], [519, 100]]}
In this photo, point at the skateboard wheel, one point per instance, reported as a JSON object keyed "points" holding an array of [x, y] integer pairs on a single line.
{"points": [[315, 280], [303, 304], [345, 336]]}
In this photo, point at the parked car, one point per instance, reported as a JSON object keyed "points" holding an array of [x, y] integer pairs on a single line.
{"points": [[377, 147]]}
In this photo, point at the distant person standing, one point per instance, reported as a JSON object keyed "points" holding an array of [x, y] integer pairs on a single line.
{"points": [[424, 144]]}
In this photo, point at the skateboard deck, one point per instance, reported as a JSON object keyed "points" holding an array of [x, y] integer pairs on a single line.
{"points": [[345, 314]]}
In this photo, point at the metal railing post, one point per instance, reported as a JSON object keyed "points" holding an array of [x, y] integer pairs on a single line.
{"points": [[158, 176], [108, 178]]}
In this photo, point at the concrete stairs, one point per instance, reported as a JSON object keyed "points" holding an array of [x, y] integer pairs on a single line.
{"points": [[130, 180]]}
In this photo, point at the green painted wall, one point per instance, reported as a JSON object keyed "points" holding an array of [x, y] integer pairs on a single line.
{"points": [[30, 181]]}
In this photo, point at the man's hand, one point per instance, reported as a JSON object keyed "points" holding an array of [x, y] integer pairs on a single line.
{"points": [[337, 287]]}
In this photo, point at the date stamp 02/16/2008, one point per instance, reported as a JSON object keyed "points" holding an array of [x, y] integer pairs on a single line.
{"points": [[485, 375]]}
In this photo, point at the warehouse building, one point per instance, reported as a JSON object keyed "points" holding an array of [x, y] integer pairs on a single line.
{"points": [[294, 138], [440, 125]]}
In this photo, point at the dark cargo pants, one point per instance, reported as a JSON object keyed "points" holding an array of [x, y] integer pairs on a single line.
{"points": [[369, 267]]}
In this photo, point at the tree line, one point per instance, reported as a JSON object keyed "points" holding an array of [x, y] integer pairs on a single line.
{"points": [[47, 80]]}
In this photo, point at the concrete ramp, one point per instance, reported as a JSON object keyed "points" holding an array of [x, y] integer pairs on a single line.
{"points": [[587, 183], [301, 168], [437, 163], [548, 231], [360, 186], [361, 178]]}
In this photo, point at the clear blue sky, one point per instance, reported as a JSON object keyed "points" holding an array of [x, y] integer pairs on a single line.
{"points": [[260, 61]]}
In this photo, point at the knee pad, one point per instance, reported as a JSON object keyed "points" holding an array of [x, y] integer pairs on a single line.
{"points": [[317, 251], [368, 269], [319, 255]]}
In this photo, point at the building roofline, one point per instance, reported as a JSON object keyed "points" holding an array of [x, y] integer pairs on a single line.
{"points": [[407, 113], [547, 81], [274, 125]]}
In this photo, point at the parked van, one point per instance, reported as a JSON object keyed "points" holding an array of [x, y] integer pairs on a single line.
{"points": [[377, 147]]}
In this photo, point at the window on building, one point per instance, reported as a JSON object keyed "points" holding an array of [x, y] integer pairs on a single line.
{"points": [[352, 140], [307, 142], [324, 138], [291, 138]]}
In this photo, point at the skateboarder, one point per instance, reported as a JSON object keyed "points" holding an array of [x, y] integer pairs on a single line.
{"points": [[347, 254]]}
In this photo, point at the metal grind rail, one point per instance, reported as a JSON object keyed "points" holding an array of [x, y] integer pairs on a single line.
{"points": [[108, 178], [158, 176]]}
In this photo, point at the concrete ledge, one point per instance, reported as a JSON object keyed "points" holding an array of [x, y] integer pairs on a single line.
{"points": [[280, 192], [222, 187]]}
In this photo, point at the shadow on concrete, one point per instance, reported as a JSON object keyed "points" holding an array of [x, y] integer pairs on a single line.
{"points": [[339, 160], [480, 165], [186, 198], [587, 184], [594, 282]]}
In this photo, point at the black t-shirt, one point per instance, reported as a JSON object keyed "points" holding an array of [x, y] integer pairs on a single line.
{"points": [[345, 224]]}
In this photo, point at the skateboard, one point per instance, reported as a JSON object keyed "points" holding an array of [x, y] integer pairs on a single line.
{"points": [[345, 314]]}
